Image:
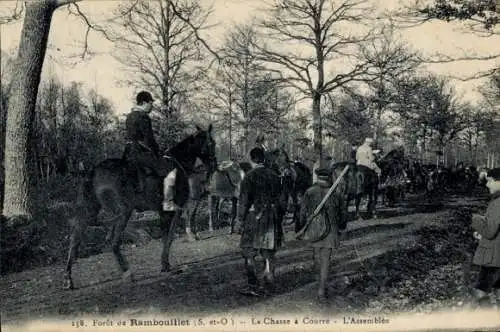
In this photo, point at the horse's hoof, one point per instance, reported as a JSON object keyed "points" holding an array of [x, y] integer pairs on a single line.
{"points": [[128, 276], [165, 268], [211, 229]]}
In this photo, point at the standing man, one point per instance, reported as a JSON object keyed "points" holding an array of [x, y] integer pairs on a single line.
{"points": [[487, 255], [366, 157], [143, 148], [259, 214], [335, 213]]}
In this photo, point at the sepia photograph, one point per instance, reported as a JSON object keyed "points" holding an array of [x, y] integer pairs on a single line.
{"points": [[250, 165]]}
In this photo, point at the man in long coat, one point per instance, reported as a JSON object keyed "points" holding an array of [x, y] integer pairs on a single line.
{"points": [[487, 254], [259, 213], [335, 213]]}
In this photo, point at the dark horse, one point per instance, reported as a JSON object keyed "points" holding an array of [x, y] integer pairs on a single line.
{"points": [[362, 181], [394, 178], [295, 177], [359, 181], [110, 188]]}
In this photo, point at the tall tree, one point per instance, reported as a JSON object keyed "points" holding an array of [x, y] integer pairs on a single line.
{"points": [[158, 44], [304, 37], [21, 109], [242, 93], [390, 59]]}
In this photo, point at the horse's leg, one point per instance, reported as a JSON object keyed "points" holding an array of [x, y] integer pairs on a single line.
{"points": [[119, 228], [357, 201], [190, 220], [234, 210], [169, 221], [296, 211], [74, 242], [372, 203], [218, 203], [211, 201]]}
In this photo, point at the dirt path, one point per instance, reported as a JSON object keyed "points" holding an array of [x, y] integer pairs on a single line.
{"points": [[209, 272], [206, 276]]}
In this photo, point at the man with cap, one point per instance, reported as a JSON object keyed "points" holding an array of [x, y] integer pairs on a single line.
{"points": [[143, 150], [487, 255], [335, 213], [366, 157], [258, 214]]}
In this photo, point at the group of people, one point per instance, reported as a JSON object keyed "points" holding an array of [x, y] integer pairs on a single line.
{"points": [[260, 210]]}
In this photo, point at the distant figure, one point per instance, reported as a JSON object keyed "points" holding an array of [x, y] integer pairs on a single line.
{"points": [[366, 157], [354, 148]]}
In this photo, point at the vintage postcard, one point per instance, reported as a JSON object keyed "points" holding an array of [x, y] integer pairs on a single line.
{"points": [[270, 165]]}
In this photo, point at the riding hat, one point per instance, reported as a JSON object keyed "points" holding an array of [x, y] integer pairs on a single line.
{"points": [[494, 173], [144, 97]]}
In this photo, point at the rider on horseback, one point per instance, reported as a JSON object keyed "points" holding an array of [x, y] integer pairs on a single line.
{"points": [[142, 148], [365, 156]]}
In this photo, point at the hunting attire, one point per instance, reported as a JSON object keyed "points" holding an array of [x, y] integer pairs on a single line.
{"points": [[143, 150], [142, 145], [366, 157], [487, 254], [334, 212], [259, 213]]}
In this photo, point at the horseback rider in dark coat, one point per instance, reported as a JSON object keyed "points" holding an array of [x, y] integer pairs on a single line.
{"points": [[142, 149]]}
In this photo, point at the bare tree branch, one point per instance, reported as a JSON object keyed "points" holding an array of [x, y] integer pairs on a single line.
{"points": [[14, 15]]}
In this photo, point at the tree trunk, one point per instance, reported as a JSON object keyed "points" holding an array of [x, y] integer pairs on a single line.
{"points": [[21, 110], [317, 126]]}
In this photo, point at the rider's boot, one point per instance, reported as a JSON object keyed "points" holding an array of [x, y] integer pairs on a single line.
{"points": [[169, 193]]}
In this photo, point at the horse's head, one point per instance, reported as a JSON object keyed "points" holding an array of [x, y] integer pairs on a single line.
{"points": [[204, 147], [198, 145], [279, 160]]}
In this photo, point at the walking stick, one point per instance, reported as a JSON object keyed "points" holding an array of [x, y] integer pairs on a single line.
{"points": [[323, 201]]}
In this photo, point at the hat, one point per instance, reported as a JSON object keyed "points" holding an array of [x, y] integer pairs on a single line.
{"points": [[368, 140], [323, 172], [144, 97], [494, 173]]}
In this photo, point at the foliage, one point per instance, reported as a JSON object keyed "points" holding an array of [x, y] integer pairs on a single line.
{"points": [[349, 119], [303, 37], [429, 109], [484, 11], [242, 93]]}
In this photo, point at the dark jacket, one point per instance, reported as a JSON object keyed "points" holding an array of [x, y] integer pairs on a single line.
{"points": [[139, 129], [488, 250], [258, 209], [336, 211]]}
